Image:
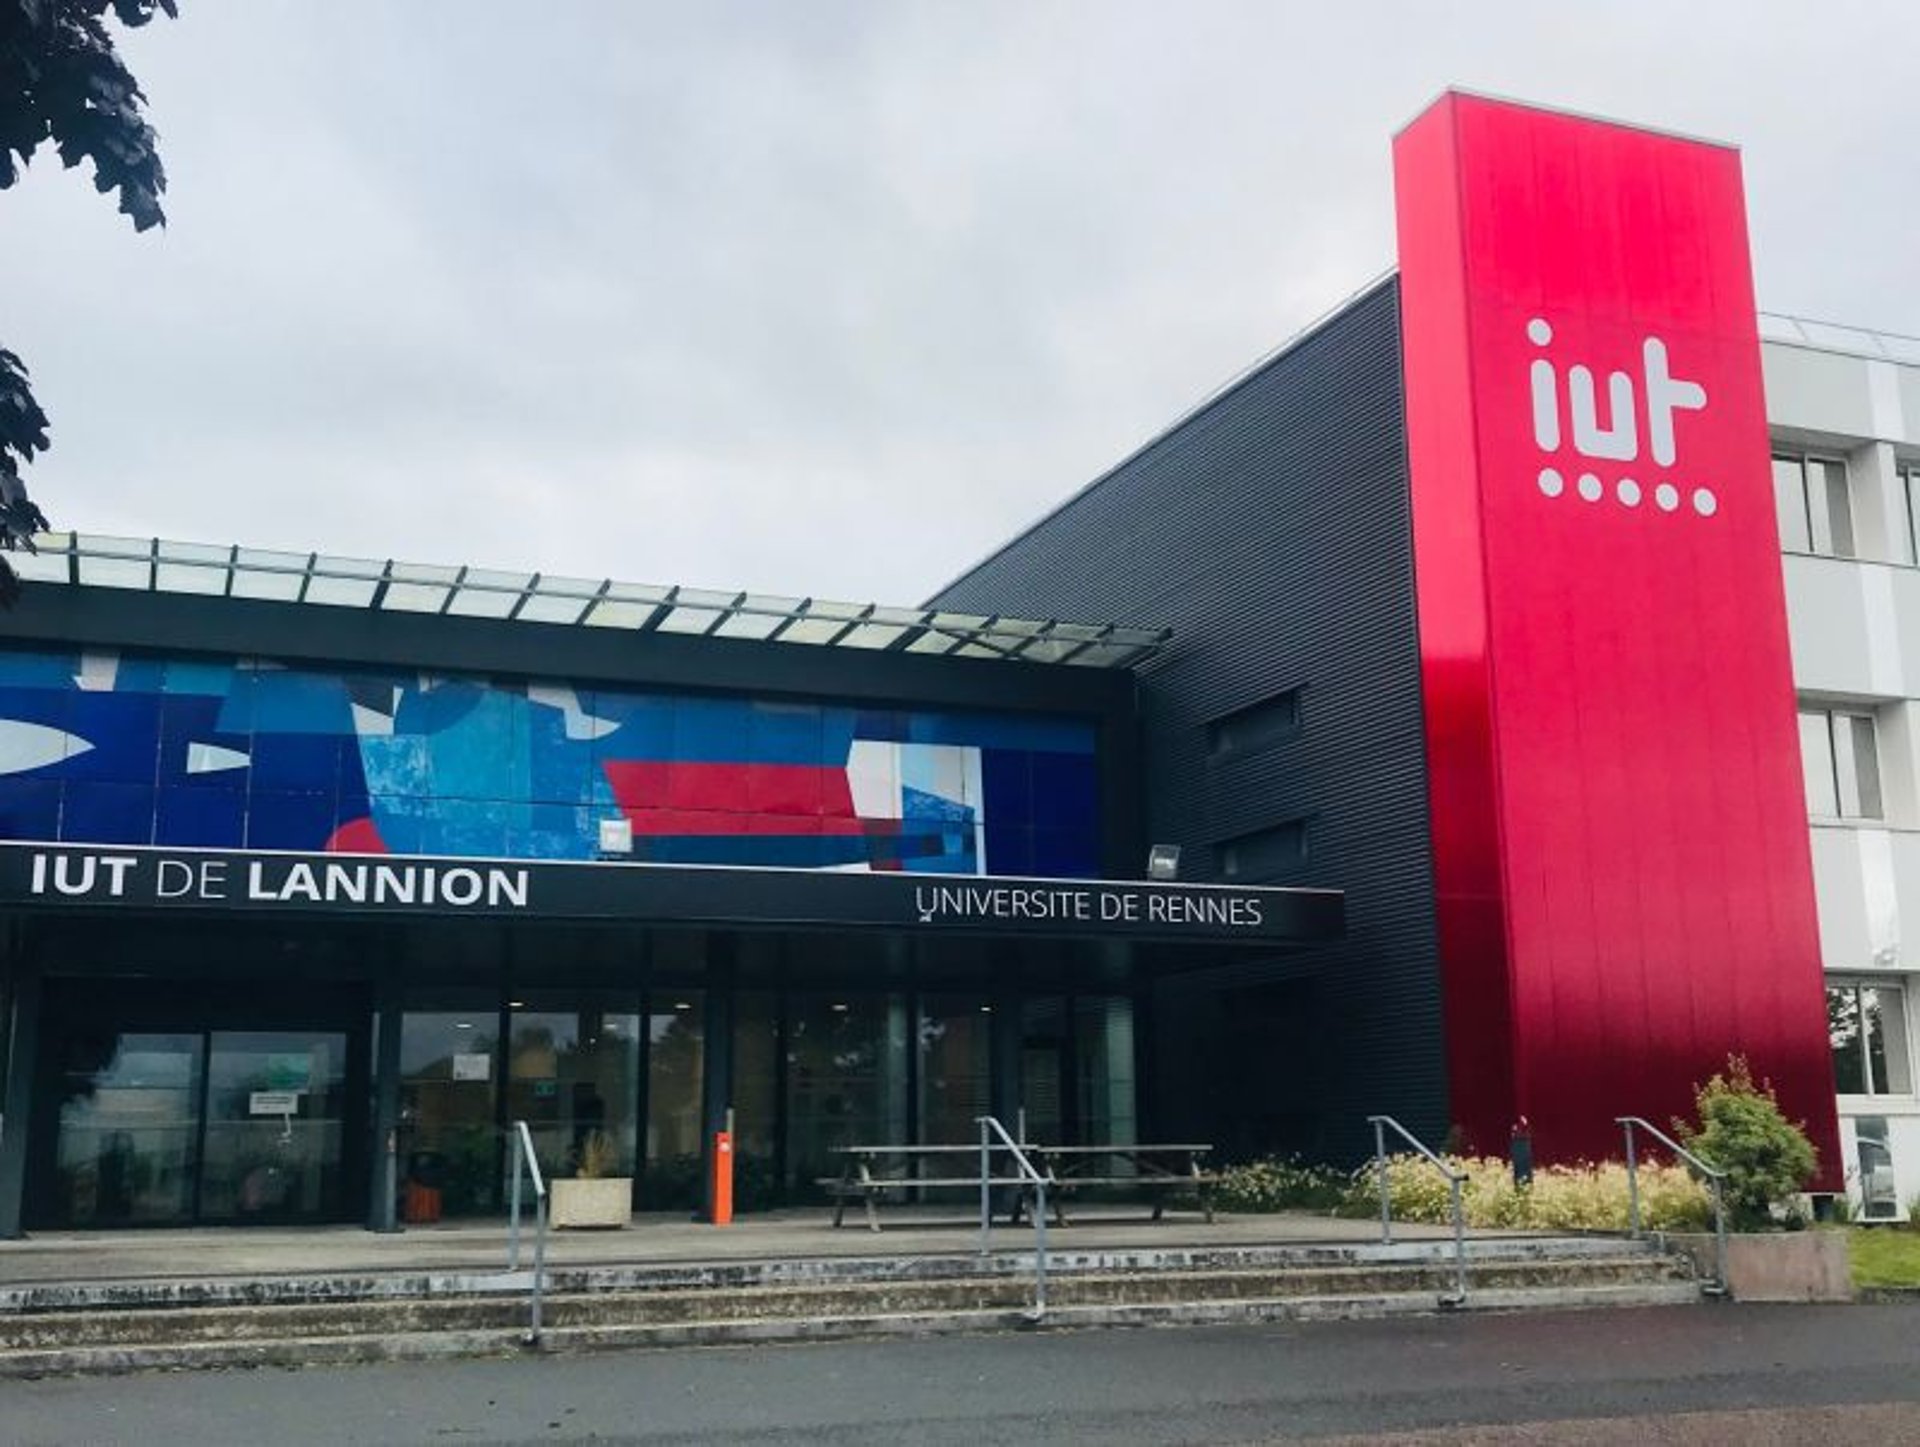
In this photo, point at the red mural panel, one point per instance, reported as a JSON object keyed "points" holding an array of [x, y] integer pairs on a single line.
{"points": [[1624, 883]]}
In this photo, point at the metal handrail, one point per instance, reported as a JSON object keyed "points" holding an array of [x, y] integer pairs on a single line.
{"points": [[1456, 1180], [525, 1160], [1715, 1176], [990, 1127]]}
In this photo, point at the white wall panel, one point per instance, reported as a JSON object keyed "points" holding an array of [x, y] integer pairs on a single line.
{"points": [[1840, 889], [1910, 403], [1814, 391], [1855, 633], [1906, 611], [1906, 884], [1826, 623]]}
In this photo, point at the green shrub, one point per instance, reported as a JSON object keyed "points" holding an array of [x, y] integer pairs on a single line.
{"points": [[1742, 1131]]}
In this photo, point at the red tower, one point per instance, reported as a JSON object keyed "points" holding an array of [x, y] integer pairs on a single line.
{"points": [[1620, 831]]}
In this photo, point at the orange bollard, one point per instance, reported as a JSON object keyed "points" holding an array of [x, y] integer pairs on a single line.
{"points": [[723, 1178]]}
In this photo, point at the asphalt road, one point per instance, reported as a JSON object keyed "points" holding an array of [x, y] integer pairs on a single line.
{"points": [[1687, 1375]]}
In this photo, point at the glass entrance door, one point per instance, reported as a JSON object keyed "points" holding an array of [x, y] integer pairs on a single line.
{"points": [[170, 1128], [274, 1137], [177, 1102], [129, 1128]]}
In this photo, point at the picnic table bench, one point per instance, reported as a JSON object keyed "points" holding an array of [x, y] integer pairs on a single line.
{"points": [[1164, 1169], [873, 1172]]}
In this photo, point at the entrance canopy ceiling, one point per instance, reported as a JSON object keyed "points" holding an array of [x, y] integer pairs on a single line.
{"points": [[218, 570]]}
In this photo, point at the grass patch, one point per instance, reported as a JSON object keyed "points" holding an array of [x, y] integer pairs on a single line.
{"points": [[1885, 1256]]}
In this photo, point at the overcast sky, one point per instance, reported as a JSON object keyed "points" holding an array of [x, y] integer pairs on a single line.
{"points": [[807, 297]]}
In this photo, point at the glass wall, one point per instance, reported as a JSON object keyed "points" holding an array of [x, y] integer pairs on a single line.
{"points": [[955, 1067], [573, 1072], [756, 1097], [846, 1079], [676, 1061], [1103, 1069], [1043, 1070], [450, 1144]]}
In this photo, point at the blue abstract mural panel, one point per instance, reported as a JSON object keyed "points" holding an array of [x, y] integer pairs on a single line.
{"points": [[250, 753]]}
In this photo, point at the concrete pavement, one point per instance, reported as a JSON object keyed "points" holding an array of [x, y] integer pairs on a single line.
{"points": [[1726, 1374], [211, 1252]]}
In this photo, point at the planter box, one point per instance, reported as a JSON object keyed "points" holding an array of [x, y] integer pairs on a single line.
{"points": [[1777, 1265], [605, 1202]]}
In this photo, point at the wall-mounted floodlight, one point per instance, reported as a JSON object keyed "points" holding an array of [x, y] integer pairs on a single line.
{"points": [[616, 836], [1163, 861]]}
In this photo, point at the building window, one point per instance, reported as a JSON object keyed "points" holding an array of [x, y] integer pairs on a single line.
{"points": [[1867, 1025], [1816, 513], [1909, 533], [1255, 727], [1842, 764], [1265, 853]]}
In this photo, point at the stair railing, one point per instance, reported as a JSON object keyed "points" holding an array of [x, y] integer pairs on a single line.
{"points": [[1456, 1181], [525, 1162], [1714, 1176], [1032, 1176]]}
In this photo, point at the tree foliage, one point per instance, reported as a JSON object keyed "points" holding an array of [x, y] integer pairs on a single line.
{"points": [[62, 81], [1743, 1132]]}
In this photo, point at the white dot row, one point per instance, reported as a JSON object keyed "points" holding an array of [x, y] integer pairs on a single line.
{"points": [[1666, 496]]}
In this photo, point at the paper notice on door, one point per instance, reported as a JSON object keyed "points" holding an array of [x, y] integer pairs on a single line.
{"points": [[478, 1066], [273, 1102]]}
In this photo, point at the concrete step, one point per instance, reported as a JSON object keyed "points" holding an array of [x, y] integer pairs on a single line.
{"points": [[503, 1341], [286, 1289], [1001, 1290], [128, 1326]]}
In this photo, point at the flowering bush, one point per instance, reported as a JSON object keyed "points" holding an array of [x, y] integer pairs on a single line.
{"points": [[1584, 1197], [1278, 1184], [1588, 1197]]}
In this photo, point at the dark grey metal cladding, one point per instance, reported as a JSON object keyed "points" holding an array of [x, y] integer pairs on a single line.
{"points": [[1271, 530]]}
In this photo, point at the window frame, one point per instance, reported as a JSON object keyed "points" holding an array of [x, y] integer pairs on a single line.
{"points": [[1821, 521], [1842, 763], [1908, 475], [1255, 727], [1257, 856], [1895, 1003]]}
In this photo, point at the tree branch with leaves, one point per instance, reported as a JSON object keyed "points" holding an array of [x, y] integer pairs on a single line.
{"points": [[63, 81]]}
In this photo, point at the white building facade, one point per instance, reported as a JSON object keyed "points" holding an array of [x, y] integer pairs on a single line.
{"points": [[1843, 409]]}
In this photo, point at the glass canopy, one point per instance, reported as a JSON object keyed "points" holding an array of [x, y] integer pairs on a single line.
{"points": [[157, 565], [1835, 337]]}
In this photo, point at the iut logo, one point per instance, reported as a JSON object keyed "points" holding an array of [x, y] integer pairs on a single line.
{"points": [[1664, 395]]}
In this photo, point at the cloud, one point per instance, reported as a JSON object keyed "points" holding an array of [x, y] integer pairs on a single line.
{"points": [[808, 299]]}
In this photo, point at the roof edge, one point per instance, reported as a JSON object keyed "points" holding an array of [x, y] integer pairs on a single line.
{"points": [[1219, 394]]}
